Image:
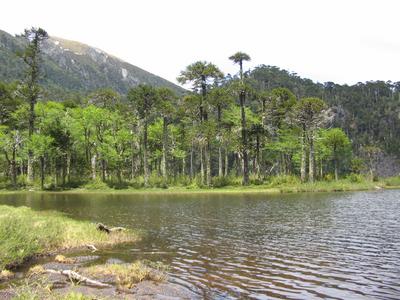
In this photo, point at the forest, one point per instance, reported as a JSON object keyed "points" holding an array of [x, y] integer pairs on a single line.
{"points": [[247, 129]]}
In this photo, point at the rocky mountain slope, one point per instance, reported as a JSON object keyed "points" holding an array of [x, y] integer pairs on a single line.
{"points": [[72, 66]]}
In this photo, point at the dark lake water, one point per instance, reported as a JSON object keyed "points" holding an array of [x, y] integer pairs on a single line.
{"points": [[298, 246]]}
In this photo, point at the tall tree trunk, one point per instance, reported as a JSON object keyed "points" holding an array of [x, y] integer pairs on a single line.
{"points": [[145, 162], [303, 157], [191, 160], [93, 165], [69, 167], [42, 172], [14, 169], [103, 170], [336, 169], [258, 165], [164, 149], [201, 164], [220, 171], [183, 166], [244, 140], [311, 159], [220, 166], [207, 155], [30, 133], [226, 162]]}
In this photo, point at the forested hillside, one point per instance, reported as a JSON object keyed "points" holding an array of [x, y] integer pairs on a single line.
{"points": [[368, 112]]}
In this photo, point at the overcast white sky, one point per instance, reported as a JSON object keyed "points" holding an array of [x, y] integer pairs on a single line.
{"points": [[342, 41]]}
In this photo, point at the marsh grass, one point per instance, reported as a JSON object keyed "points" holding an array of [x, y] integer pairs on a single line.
{"points": [[25, 233], [127, 275]]}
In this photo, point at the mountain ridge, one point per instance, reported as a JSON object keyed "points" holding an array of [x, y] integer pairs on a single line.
{"points": [[76, 67]]}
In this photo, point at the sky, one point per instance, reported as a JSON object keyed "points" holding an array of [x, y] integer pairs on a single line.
{"points": [[345, 41]]}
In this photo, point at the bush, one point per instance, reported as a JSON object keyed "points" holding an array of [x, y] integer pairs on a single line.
{"points": [[355, 178], [221, 181], [96, 185], [284, 180], [328, 177], [393, 181]]}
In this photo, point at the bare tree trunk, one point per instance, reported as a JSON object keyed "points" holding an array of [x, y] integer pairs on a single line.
{"points": [[226, 162], [69, 167], [220, 167], [207, 155], [311, 159], [244, 140], [201, 165], [93, 164], [14, 169], [164, 150], [191, 161], [303, 158], [336, 169], [145, 162], [42, 172]]}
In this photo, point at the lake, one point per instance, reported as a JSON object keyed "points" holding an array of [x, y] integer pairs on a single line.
{"points": [[257, 246]]}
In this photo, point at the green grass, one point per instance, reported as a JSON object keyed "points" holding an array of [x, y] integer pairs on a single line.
{"points": [[230, 184], [127, 275], [25, 233]]}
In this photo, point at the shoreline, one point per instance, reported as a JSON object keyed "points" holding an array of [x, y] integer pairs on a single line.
{"points": [[317, 187]]}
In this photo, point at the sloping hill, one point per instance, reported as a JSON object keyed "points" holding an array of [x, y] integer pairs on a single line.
{"points": [[73, 66]]}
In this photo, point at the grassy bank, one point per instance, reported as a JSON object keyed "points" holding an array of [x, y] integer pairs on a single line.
{"points": [[273, 185], [25, 233]]}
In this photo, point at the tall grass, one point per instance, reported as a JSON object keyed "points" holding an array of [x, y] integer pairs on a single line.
{"points": [[24, 233]]}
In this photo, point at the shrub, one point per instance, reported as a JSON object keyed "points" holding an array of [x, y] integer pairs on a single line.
{"points": [[96, 185], [355, 178], [284, 180], [393, 181], [328, 177], [221, 181]]}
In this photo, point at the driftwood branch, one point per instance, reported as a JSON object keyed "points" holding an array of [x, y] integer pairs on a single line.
{"points": [[92, 247], [102, 227], [75, 277]]}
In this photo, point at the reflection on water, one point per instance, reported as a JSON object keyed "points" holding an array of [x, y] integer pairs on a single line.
{"points": [[307, 246]]}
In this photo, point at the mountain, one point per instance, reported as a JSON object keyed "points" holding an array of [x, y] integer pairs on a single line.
{"points": [[70, 66]]}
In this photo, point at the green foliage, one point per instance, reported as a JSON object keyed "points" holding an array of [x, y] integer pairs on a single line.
{"points": [[284, 180], [355, 178], [222, 181], [393, 181]]}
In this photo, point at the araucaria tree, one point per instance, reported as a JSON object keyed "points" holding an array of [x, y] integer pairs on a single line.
{"points": [[199, 74], [239, 58], [31, 57], [310, 115], [143, 100]]}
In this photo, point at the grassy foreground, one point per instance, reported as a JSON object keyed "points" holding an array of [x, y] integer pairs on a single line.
{"points": [[25, 233]]}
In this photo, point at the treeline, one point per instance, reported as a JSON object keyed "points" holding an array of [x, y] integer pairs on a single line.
{"points": [[226, 128]]}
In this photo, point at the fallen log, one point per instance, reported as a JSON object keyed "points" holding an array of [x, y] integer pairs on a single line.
{"points": [[77, 278], [102, 227], [92, 247]]}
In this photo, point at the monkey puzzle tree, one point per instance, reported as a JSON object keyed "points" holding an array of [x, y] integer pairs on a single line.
{"points": [[220, 98], [199, 74], [31, 56], [337, 142], [166, 108], [143, 99], [310, 116], [239, 58]]}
